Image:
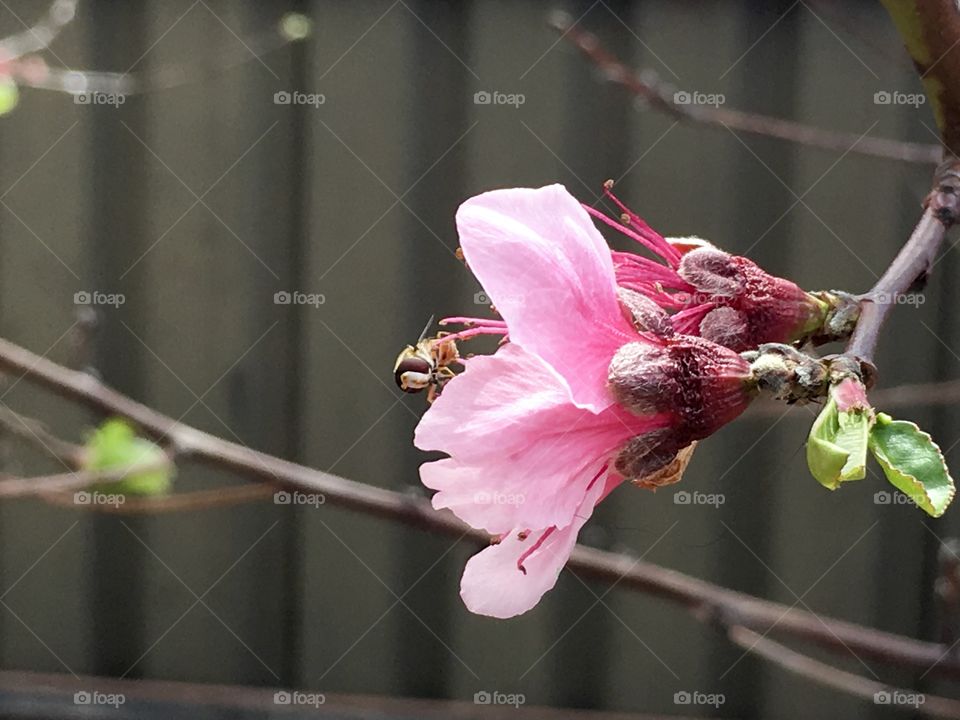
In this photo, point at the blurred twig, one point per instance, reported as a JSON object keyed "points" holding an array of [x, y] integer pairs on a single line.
{"points": [[660, 96], [708, 602], [41, 34], [847, 682], [36, 433], [177, 502]]}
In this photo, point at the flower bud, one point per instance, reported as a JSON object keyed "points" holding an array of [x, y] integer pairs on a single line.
{"points": [[754, 307], [700, 385]]}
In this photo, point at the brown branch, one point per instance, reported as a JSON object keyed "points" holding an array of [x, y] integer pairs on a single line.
{"points": [[912, 263], [178, 502], [660, 96], [73, 480], [36, 433], [706, 600], [847, 682]]}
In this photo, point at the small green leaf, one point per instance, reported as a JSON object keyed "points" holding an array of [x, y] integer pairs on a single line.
{"points": [[824, 457], [9, 96], [295, 26], [912, 463], [115, 444], [837, 445]]}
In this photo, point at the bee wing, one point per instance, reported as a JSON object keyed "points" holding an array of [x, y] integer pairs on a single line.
{"points": [[426, 327]]}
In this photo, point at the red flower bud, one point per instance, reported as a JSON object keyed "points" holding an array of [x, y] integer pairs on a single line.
{"points": [[751, 306]]}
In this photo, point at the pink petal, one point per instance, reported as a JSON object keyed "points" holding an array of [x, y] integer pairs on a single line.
{"points": [[550, 275], [522, 453], [492, 583]]}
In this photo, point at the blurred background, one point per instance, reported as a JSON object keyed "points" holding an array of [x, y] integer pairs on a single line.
{"points": [[199, 202]]}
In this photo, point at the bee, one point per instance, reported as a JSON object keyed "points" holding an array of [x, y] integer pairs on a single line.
{"points": [[425, 366]]}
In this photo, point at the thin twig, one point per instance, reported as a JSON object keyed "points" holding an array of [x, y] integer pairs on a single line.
{"points": [[178, 502], [41, 34], [36, 433], [660, 96], [847, 682], [25, 487], [704, 599], [911, 264]]}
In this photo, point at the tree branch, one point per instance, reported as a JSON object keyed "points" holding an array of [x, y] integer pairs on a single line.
{"points": [[706, 600], [912, 263], [847, 682], [661, 97]]}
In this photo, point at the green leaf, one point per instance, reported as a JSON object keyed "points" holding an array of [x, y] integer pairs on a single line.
{"points": [[115, 444], [837, 445], [9, 96], [295, 26], [912, 463]]}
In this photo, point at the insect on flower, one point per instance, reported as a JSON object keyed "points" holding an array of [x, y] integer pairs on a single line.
{"points": [[426, 365]]}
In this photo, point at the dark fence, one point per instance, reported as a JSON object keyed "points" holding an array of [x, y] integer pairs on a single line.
{"points": [[200, 202]]}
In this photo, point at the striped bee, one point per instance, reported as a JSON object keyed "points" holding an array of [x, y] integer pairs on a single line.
{"points": [[425, 366]]}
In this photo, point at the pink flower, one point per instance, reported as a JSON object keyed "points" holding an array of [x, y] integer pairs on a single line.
{"points": [[593, 387]]}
